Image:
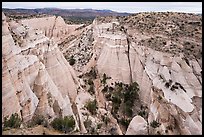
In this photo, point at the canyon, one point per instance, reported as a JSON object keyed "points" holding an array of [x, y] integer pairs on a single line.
{"points": [[142, 71]]}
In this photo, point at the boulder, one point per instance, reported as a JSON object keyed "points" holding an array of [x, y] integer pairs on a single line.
{"points": [[137, 126]]}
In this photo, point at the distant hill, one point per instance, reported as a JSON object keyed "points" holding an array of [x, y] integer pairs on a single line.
{"points": [[66, 12], [75, 15]]}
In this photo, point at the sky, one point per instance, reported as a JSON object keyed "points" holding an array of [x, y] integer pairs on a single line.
{"points": [[130, 7]]}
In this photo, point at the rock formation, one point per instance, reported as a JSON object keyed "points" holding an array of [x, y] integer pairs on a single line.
{"points": [[52, 27], [138, 126], [33, 75], [152, 59]]}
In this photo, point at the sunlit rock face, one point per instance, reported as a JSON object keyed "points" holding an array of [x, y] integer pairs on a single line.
{"points": [[34, 74], [52, 27]]}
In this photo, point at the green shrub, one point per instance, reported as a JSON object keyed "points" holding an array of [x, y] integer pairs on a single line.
{"points": [[91, 106], [93, 73], [124, 94], [142, 113], [169, 127], [154, 124], [106, 119], [72, 61], [116, 98], [159, 97], [131, 92], [38, 120], [14, 121], [103, 81], [115, 108], [128, 109], [90, 82], [65, 124], [99, 126], [68, 123], [57, 123], [125, 122], [87, 123], [91, 90], [105, 89]]}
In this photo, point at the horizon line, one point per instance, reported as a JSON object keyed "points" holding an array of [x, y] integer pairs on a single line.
{"points": [[98, 9]]}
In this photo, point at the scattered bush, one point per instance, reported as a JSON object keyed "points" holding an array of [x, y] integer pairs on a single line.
{"points": [[169, 127], [90, 82], [87, 123], [105, 89], [103, 81], [89, 128], [125, 122], [14, 121], [155, 124], [72, 61], [128, 108], [91, 89], [92, 73], [106, 119], [159, 97], [91, 106], [116, 98], [99, 126], [122, 94], [65, 124], [167, 84], [113, 131], [38, 120], [142, 113]]}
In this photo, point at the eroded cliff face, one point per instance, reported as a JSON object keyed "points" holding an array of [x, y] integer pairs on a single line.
{"points": [[176, 75], [33, 74], [52, 27], [110, 55]]}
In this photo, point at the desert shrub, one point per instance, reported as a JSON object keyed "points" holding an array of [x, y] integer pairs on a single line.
{"points": [[124, 94], [169, 127], [99, 126], [68, 123], [91, 89], [92, 74], [125, 122], [106, 119], [167, 84], [105, 89], [65, 124], [87, 123], [14, 121], [72, 61], [113, 131], [89, 128], [115, 108], [142, 113], [91, 106], [116, 98], [90, 82], [103, 81], [57, 123], [159, 97], [128, 109], [154, 124], [37, 120]]}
